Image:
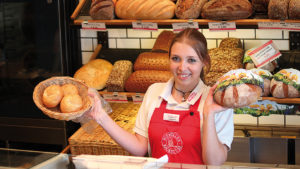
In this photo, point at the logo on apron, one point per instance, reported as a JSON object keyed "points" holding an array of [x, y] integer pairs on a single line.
{"points": [[172, 142]]}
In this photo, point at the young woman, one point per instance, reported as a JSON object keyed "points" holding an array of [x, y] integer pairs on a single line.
{"points": [[178, 118]]}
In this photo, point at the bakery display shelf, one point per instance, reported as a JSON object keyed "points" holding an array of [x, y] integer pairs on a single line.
{"points": [[81, 14], [128, 94]]}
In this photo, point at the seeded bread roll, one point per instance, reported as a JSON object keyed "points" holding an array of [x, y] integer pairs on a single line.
{"points": [[140, 80], [122, 69], [231, 43], [189, 9], [102, 9], [152, 61], [278, 9], [294, 9], [163, 41]]}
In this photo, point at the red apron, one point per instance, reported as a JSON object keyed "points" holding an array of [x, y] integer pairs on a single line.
{"points": [[178, 135]]}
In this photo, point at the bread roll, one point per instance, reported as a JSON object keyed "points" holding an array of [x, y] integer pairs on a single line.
{"points": [[267, 77], [189, 9], [294, 9], [52, 96], [95, 73], [278, 9], [71, 103], [69, 89], [227, 9], [145, 9], [163, 41], [152, 61], [231, 43], [238, 88], [102, 9], [286, 84], [140, 80]]}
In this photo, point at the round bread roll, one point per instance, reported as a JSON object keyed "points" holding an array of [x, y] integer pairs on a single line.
{"points": [[238, 88], [286, 84], [52, 96], [71, 103], [267, 77], [69, 89]]}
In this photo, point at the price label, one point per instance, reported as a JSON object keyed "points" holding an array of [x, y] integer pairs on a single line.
{"points": [[222, 26], [137, 98], [145, 26], [279, 25], [115, 98], [93, 26], [177, 27], [264, 54]]}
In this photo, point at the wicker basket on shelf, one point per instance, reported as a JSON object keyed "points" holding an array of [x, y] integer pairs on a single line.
{"points": [[55, 112]]}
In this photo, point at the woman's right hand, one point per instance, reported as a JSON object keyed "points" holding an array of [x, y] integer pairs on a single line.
{"points": [[97, 110]]}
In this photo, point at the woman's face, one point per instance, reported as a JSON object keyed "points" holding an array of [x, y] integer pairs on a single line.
{"points": [[185, 65]]}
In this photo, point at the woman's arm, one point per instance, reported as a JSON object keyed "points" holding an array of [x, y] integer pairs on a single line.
{"points": [[213, 151], [134, 144]]}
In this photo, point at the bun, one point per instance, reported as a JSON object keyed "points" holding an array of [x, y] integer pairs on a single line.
{"points": [[52, 96], [102, 9], [238, 88], [71, 103], [69, 89]]}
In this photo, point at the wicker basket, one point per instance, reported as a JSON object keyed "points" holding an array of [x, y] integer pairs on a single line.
{"points": [[99, 142], [55, 112]]}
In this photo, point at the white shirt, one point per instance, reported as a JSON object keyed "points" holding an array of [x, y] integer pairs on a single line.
{"points": [[158, 91]]}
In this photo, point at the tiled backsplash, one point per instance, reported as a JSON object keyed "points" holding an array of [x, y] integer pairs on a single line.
{"points": [[127, 38]]}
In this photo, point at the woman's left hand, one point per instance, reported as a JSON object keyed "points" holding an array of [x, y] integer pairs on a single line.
{"points": [[210, 106]]}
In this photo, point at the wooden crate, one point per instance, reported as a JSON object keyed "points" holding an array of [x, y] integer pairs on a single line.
{"points": [[99, 142]]}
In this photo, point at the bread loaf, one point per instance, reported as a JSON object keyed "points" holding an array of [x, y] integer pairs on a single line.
{"points": [[224, 65], [140, 80], [278, 9], [152, 61], [294, 9], [286, 84], [102, 9], [189, 9], [227, 9], [163, 41], [238, 88], [231, 43], [145, 9], [260, 6], [267, 77], [122, 69], [233, 54]]}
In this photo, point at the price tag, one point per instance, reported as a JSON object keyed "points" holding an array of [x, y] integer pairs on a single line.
{"points": [[137, 98], [279, 25], [93, 26], [222, 26], [265, 54], [177, 27], [115, 98], [145, 26]]}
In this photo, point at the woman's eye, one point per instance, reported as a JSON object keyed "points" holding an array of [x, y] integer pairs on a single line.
{"points": [[175, 58], [191, 60]]}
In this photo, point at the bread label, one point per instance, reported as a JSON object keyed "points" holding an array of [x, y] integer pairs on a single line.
{"points": [[145, 26], [93, 26], [137, 98], [177, 27], [265, 54], [265, 108], [115, 98], [279, 25], [222, 26], [289, 77]]}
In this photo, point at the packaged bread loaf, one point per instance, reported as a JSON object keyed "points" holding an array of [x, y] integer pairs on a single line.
{"points": [[102, 9], [189, 9], [278, 9], [163, 41], [95, 73], [152, 61], [227, 9], [231, 43], [260, 6], [140, 80], [238, 88], [145, 9], [294, 9], [122, 69], [286, 83], [267, 77]]}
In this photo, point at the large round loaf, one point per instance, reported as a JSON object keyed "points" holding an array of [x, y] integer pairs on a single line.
{"points": [[278, 9], [189, 9], [260, 6], [140, 80], [294, 9], [102, 9], [286, 84], [145, 9], [227, 9], [267, 77], [152, 61]]}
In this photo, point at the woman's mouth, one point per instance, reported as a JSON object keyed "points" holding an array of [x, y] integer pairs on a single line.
{"points": [[183, 76]]}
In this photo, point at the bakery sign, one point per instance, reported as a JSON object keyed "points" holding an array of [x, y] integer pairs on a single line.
{"points": [[97, 26], [264, 54], [115, 97]]}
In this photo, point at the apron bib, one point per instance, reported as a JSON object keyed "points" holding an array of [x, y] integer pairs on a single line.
{"points": [[176, 133]]}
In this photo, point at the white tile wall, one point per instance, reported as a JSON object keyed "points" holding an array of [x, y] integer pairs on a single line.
{"points": [[243, 34], [268, 34], [147, 43], [128, 43], [211, 44], [117, 33], [87, 44], [86, 57], [138, 33], [212, 34], [88, 33]]}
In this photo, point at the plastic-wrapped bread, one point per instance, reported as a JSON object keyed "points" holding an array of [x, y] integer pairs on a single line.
{"points": [[189, 9], [286, 83], [267, 77], [231, 43], [163, 41], [152, 61], [278, 9], [145, 9], [122, 69], [140, 80]]}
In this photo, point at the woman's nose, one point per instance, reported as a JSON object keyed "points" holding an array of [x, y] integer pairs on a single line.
{"points": [[182, 65]]}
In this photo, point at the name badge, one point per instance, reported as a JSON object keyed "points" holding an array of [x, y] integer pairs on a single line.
{"points": [[171, 117]]}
